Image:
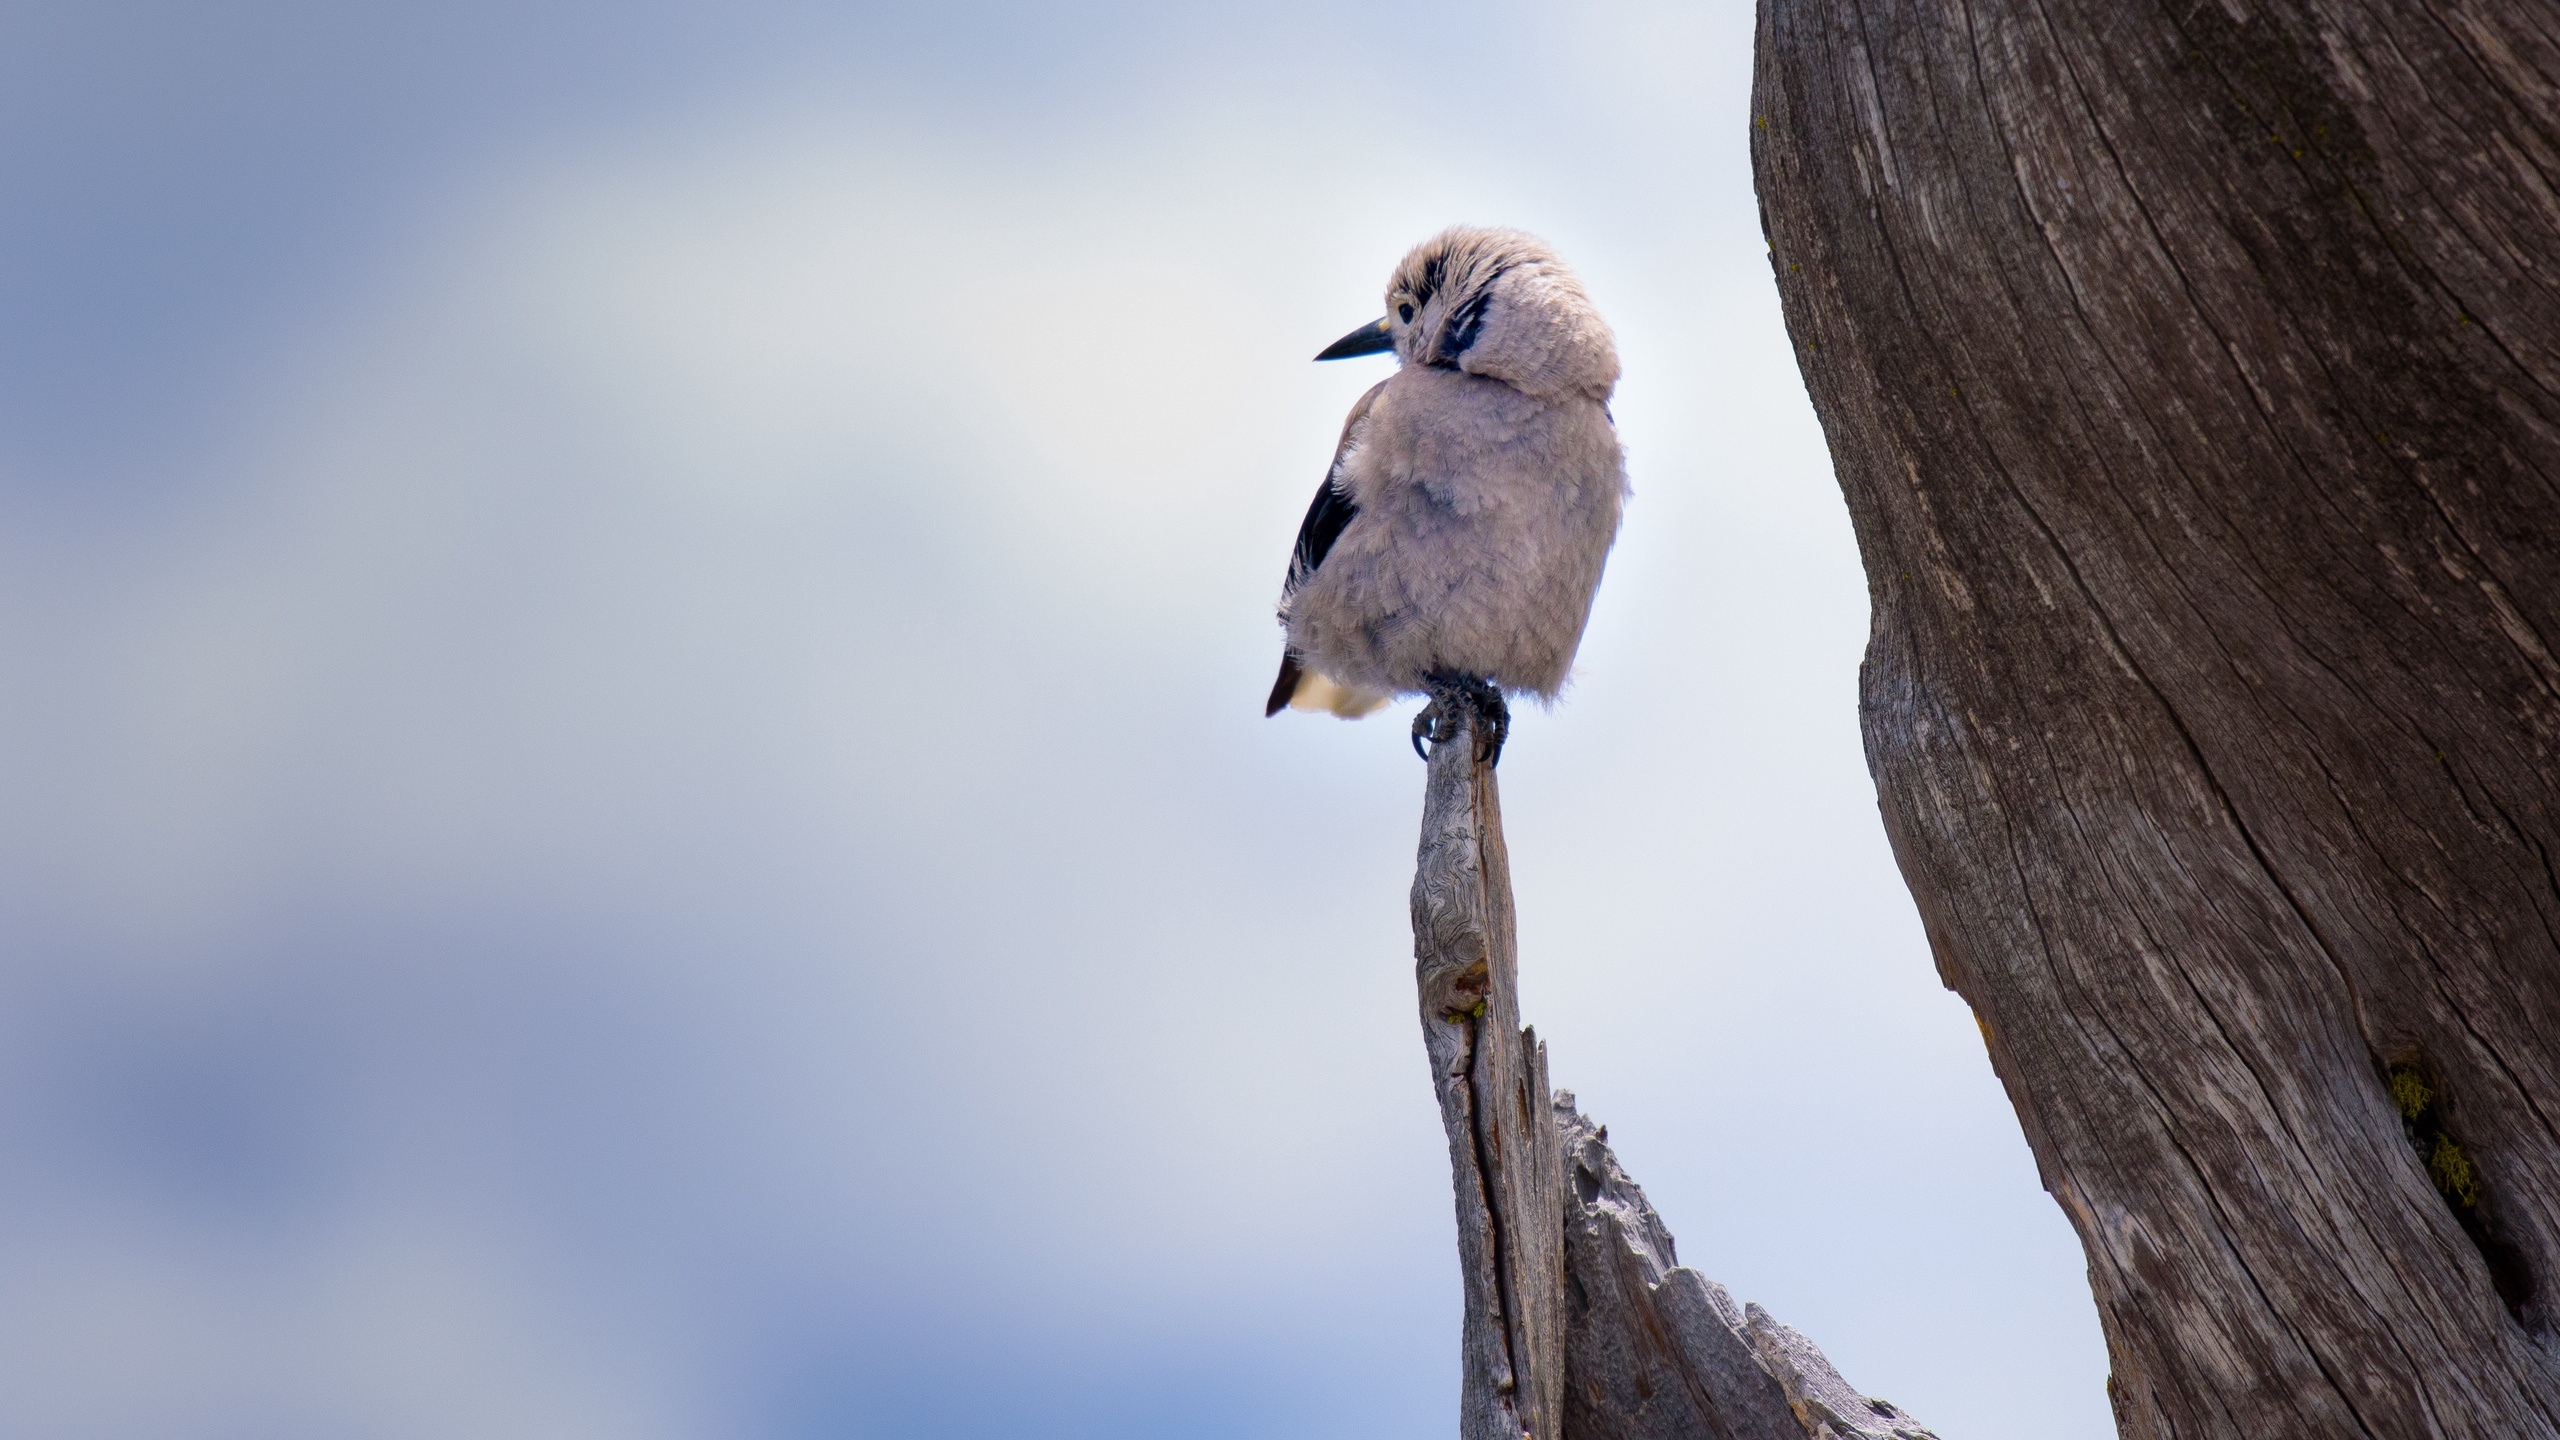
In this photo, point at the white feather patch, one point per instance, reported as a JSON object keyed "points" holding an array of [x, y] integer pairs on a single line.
{"points": [[1323, 692]]}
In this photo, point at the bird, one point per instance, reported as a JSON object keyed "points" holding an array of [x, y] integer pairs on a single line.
{"points": [[1459, 536]]}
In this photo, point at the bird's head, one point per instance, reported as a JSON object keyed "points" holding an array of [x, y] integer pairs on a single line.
{"points": [[1496, 303]]}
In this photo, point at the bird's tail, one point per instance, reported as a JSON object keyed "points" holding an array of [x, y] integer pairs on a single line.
{"points": [[1300, 688]]}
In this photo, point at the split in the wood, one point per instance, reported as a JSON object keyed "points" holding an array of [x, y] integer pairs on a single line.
{"points": [[2419, 1097]]}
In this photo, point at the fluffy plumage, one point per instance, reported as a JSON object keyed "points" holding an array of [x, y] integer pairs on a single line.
{"points": [[1474, 495]]}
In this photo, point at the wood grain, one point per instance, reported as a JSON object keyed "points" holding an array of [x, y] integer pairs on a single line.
{"points": [[1491, 1078], [2192, 372]]}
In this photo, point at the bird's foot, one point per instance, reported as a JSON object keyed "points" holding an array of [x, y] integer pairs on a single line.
{"points": [[1433, 723], [1493, 720], [1464, 702]]}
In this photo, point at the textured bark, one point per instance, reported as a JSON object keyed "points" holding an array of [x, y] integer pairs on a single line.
{"points": [[2193, 375], [1491, 1077]]}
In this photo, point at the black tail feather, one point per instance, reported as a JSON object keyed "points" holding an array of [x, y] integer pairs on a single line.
{"points": [[1286, 687]]}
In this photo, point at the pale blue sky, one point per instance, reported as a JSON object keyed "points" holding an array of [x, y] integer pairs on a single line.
{"points": [[635, 802]]}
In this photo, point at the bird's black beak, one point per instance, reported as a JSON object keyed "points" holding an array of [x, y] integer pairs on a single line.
{"points": [[1369, 339]]}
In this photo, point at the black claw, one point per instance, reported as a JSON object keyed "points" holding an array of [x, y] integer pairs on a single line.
{"points": [[1493, 721], [1427, 725], [1493, 727]]}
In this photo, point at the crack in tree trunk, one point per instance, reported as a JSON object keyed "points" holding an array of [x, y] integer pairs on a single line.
{"points": [[1506, 1296]]}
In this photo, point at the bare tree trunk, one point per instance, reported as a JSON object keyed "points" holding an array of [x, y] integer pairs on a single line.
{"points": [[2193, 375]]}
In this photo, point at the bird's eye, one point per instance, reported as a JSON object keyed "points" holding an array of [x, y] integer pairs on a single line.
{"points": [[1406, 311]]}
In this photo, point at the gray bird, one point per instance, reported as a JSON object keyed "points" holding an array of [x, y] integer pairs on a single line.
{"points": [[1457, 540]]}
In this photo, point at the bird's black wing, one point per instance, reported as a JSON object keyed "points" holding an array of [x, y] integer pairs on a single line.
{"points": [[1327, 517], [1331, 512]]}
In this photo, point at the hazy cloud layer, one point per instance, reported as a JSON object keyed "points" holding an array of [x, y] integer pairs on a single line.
{"points": [[636, 803]]}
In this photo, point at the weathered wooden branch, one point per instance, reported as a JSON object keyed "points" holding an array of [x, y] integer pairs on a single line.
{"points": [[1491, 1076], [1642, 1349], [1657, 1351]]}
